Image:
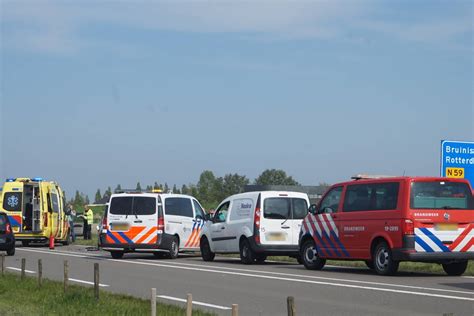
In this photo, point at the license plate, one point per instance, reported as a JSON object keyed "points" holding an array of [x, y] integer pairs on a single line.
{"points": [[119, 227], [445, 226], [275, 237]]}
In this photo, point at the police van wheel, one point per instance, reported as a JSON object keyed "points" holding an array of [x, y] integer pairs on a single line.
{"points": [[260, 258], [174, 248], [116, 254], [247, 255], [456, 268], [310, 256], [206, 253], [383, 260]]}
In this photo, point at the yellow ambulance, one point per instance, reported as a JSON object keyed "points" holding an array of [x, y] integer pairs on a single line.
{"points": [[36, 209]]}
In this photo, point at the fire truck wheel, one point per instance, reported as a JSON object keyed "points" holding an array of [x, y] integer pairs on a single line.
{"points": [[206, 253], [174, 248], [247, 255], [383, 260], [311, 259], [369, 264], [456, 268], [117, 254]]}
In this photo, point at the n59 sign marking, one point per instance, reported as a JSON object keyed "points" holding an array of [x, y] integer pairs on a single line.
{"points": [[455, 172]]}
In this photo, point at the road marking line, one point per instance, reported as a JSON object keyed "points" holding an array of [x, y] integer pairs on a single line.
{"points": [[267, 276], [18, 269], [194, 302], [87, 282], [321, 278], [469, 277]]}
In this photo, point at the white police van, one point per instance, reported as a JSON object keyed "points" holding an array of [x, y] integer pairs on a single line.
{"points": [[151, 222], [255, 224]]}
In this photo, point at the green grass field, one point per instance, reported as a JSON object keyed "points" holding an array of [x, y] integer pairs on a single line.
{"points": [[25, 298]]}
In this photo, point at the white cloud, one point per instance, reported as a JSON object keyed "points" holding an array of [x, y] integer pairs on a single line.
{"points": [[55, 26]]}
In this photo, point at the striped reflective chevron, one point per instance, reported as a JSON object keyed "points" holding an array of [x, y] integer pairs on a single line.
{"points": [[325, 234], [135, 235], [428, 239], [194, 240]]}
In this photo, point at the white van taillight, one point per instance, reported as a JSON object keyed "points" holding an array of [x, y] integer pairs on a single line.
{"points": [[256, 221], [408, 227], [161, 224], [8, 229]]}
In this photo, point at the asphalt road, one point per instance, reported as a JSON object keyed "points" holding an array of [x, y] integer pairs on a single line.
{"points": [[258, 289]]}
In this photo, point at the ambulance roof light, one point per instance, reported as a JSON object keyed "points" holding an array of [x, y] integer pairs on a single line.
{"points": [[39, 179], [11, 179]]}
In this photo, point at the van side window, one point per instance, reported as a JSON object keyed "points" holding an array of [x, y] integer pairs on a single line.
{"points": [[178, 206], [198, 208], [330, 202], [221, 213], [371, 197], [12, 201], [300, 208]]}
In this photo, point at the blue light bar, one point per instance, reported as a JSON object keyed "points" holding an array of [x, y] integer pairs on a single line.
{"points": [[37, 179], [10, 179]]}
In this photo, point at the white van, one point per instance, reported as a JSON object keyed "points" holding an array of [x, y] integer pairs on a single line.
{"points": [[255, 224], [151, 222]]}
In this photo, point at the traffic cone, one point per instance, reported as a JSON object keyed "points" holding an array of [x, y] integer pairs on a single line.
{"points": [[51, 242]]}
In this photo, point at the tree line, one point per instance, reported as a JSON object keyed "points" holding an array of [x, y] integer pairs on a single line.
{"points": [[209, 189]]}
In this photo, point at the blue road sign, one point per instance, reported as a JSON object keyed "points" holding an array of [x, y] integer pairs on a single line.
{"points": [[457, 160]]}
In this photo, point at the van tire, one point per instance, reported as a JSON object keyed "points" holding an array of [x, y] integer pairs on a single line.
{"points": [[310, 257], [247, 256], [174, 248], [11, 251], [456, 268], [383, 260], [116, 254], [260, 258], [369, 264], [299, 259], [206, 253]]}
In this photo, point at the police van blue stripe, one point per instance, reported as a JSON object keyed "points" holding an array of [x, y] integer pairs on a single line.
{"points": [[435, 239], [113, 237], [128, 240], [423, 244]]}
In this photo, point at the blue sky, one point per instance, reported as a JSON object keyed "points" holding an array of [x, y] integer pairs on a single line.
{"points": [[99, 93]]}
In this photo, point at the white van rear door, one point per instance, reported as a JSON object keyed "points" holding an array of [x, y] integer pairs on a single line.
{"points": [[299, 210], [179, 218], [275, 224]]}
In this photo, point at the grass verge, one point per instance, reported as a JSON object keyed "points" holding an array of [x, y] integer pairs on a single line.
{"points": [[25, 298]]}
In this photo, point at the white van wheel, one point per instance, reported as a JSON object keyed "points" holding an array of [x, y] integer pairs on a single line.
{"points": [[310, 256], [174, 248], [246, 253]]}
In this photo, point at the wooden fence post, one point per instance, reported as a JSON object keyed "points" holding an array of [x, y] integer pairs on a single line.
{"points": [[235, 310], [40, 272], [189, 305], [153, 302], [23, 267], [96, 281], [66, 275], [291, 306], [3, 264]]}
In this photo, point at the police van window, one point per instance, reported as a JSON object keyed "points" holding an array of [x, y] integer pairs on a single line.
{"points": [[221, 213], [143, 205], [300, 208], [441, 195], [178, 206], [12, 201], [276, 208], [371, 197], [121, 205], [198, 208], [330, 202], [55, 202]]}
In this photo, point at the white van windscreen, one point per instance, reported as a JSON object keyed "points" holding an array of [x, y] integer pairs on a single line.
{"points": [[284, 208], [136, 205]]}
